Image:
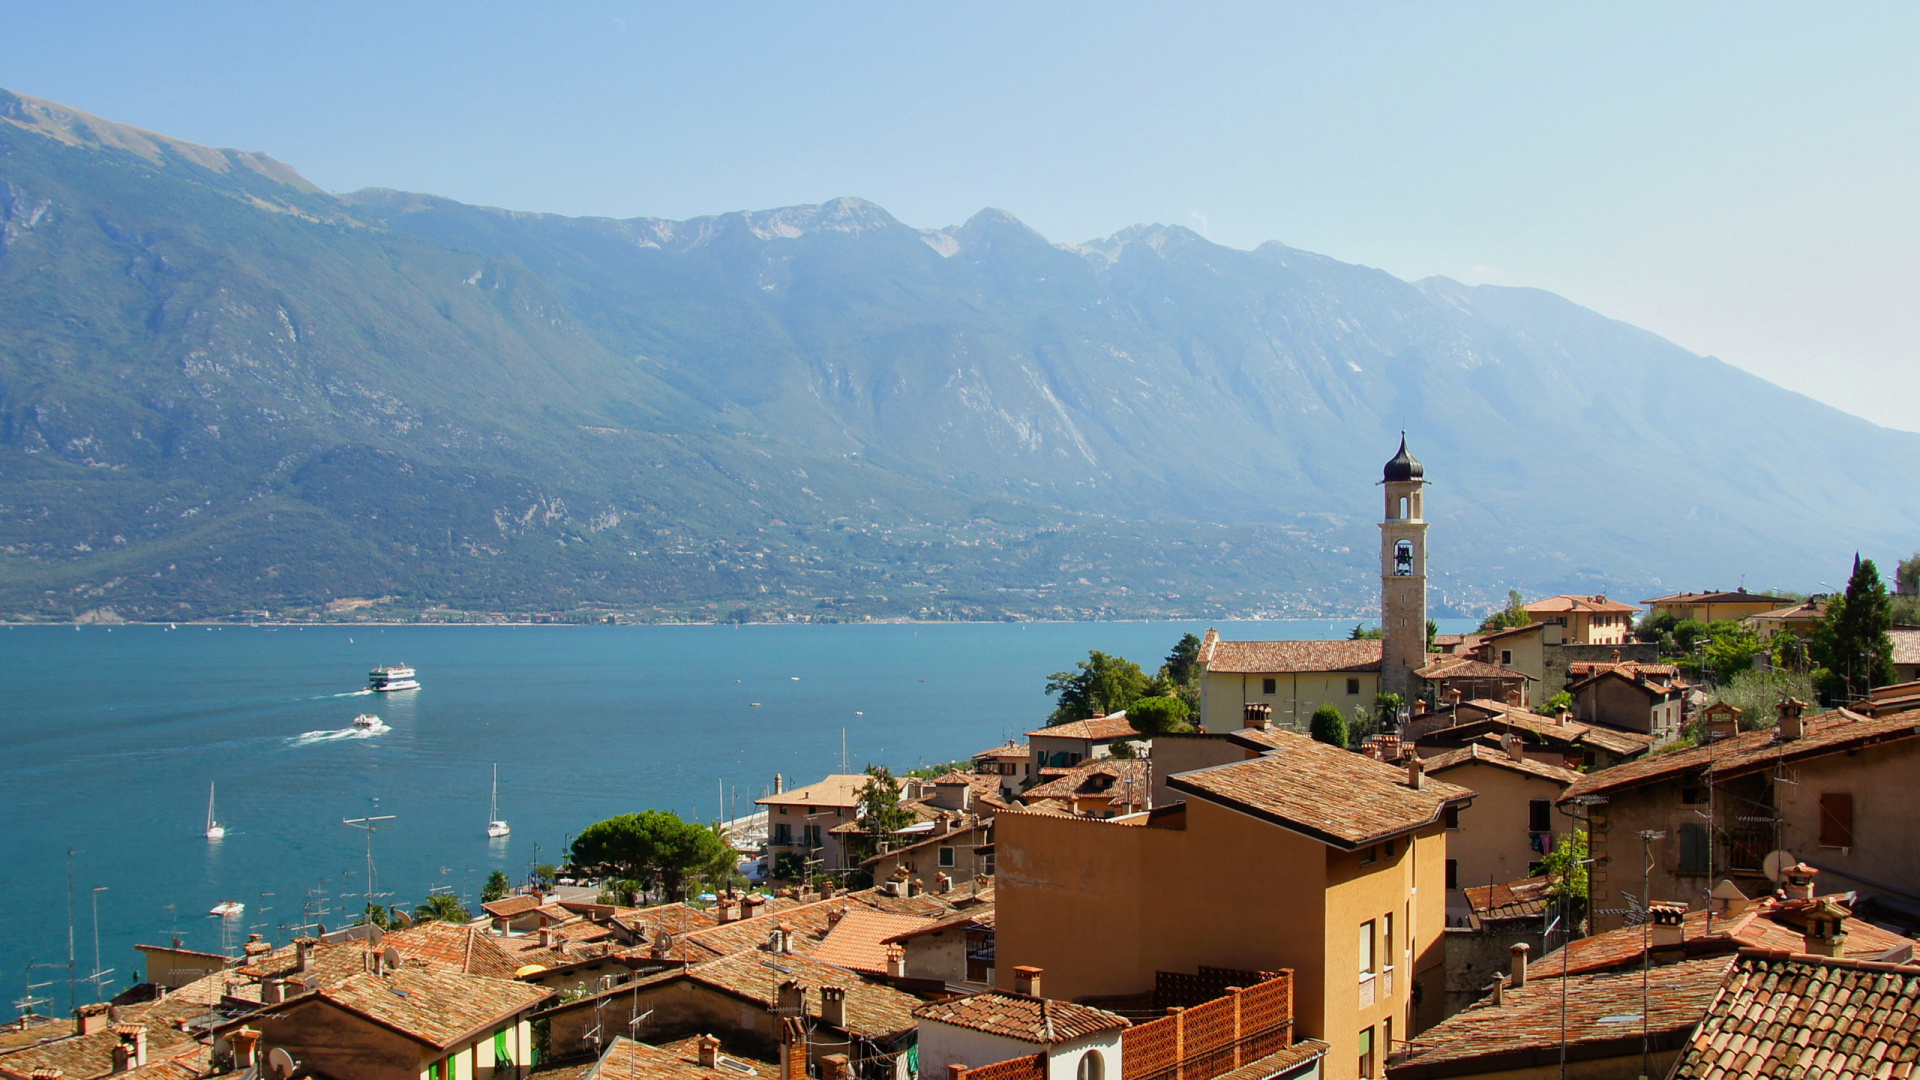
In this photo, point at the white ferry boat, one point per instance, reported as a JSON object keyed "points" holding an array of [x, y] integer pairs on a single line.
{"points": [[385, 679]]}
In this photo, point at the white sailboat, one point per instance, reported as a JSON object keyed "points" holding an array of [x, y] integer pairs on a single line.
{"points": [[495, 827], [215, 830]]}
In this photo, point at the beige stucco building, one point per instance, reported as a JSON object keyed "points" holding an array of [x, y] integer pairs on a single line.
{"points": [[1586, 620], [1714, 606], [1510, 827], [1292, 677]]}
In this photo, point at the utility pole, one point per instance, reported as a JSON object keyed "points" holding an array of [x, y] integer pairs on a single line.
{"points": [[1647, 837], [97, 973]]}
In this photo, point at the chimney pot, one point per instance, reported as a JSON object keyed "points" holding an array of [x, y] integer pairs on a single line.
{"points": [[1259, 715], [1026, 980], [942, 883], [834, 917], [88, 1019], [956, 1072], [244, 1042], [896, 962], [546, 937], [833, 1067], [1798, 883], [273, 991], [833, 1006], [1790, 713], [1669, 924], [1416, 773], [709, 1052], [1520, 949]]}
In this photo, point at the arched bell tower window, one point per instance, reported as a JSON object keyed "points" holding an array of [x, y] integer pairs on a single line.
{"points": [[1402, 515], [1403, 559], [1092, 1067]]}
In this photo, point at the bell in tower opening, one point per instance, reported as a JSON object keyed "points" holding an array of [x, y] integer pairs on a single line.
{"points": [[1403, 576]]}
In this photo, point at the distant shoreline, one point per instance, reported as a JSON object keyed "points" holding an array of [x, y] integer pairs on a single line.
{"points": [[276, 624]]}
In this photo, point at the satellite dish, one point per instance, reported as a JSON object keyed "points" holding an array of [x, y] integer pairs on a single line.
{"points": [[1776, 864], [375, 935], [392, 957], [280, 1063], [402, 920]]}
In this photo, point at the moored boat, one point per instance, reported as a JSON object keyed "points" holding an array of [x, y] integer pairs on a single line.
{"points": [[228, 909]]}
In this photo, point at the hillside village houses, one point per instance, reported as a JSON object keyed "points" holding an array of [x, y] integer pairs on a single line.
{"points": [[1238, 902]]}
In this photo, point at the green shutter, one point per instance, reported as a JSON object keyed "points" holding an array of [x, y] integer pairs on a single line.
{"points": [[501, 1056]]}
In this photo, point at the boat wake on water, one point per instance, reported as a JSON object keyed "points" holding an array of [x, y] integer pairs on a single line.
{"points": [[356, 732], [362, 692]]}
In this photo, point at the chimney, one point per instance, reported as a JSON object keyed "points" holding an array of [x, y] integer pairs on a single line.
{"points": [[244, 1042], [1513, 698], [896, 962], [1416, 773], [1797, 882], [785, 932], [1669, 924], [1791, 726], [1519, 949], [1259, 715], [302, 953], [750, 906], [1616, 656], [779, 784], [826, 890], [793, 998], [833, 1006], [709, 1050], [956, 1072], [916, 887], [546, 937], [723, 910], [1827, 929], [273, 991], [833, 1067], [122, 1059], [1512, 746], [88, 1019], [1453, 697], [834, 917], [132, 1046], [1421, 707], [942, 883], [793, 1048], [1026, 980]]}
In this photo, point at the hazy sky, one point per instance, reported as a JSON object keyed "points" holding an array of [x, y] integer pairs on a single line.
{"points": [[1739, 178]]}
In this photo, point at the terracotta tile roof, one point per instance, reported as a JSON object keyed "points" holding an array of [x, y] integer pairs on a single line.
{"points": [[194, 1064], [1527, 629], [1464, 667], [1342, 799], [1524, 899], [91, 1055], [857, 941], [1806, 610], [1769, 923], [968, 833], [1826, 733], [1100, 727], [1277, 657], [1581, 669], [1005, 750], [1279, 1061], [1094, 777], [464, 949], [1803, 1016], [508, 906], [1020, 1016], [980, 918], [1485, 755], [839, 789], [674, 1061], [1653, 686], [1497, 716], [676, 918], [1597, 604], [1603, 1019], [689, 1050], [433, 1006], [1739, 596], [873, 1011], [809, 922]]}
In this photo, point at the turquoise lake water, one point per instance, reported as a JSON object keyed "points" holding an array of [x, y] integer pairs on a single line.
{"points": [[111, 738]]}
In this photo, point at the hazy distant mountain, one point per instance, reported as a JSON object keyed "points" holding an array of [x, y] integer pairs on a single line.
{"points": [[221, 387]]}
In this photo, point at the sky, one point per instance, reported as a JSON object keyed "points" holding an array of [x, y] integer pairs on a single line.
{"points": [[1738, 178]]}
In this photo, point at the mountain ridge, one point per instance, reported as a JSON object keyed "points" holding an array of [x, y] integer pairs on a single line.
{"points": [[391, 393]]}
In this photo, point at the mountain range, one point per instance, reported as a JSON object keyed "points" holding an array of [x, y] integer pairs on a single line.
{"points": [[222, 389]]}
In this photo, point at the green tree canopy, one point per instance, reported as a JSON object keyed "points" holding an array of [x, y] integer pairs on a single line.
{"points": [[1182, 664], [442, 907], [1906, 576], [1099, 684], [1565, 868], [1509, 617], [1124, 750], [1363, 632], [1159, 715], [1329, 725], [652, 846], [1851, 643], [1555, 705], [495, 888]]}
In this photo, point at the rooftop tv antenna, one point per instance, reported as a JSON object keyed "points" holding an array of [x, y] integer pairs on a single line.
{"points": [[369, 825], [98, 975]]}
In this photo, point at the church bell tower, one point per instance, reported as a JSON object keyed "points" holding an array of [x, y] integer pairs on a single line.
{"points": [[1403, 576]]}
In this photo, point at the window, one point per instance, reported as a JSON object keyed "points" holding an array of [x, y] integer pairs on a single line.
{"points": [[1403, 559], [946, 856], [1693, 796], [1269, 686], [782, 833], [1386, 941], [812, 836], [1366, 1051], [1453, 873], [1506, 657], [502, 1054], [1092, 1067], [1353, 687], [1386, 1037], [1693, 849], [1539, 815], [989, 864], [1836, 819], [1366, 948], [1369, 855], [1453, 817]]}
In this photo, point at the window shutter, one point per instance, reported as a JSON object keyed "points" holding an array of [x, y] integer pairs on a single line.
{"points": [[1836, 819], [1693, 849]]}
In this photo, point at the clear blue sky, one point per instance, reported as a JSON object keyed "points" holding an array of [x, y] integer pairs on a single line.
{"points": [[1740, 178]]}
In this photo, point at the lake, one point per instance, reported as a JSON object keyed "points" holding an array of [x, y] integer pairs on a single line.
{"points": [[112, 737]]}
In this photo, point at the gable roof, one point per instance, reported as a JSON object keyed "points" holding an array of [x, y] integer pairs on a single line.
{"points": [[464, 949], [1069, 785], [508, 906], [838, 789], [675, 1061], [1571, 603], [1646, 683], [430, 1005], [1029, 1019], [1523, 899], [1341, 799], [1008, 749], [1739, 596], [1477, 754], [1281, 657], [1465, 667], [1603, 1019], [980, 918], [1113, 726], [858, 941], [1767, 923], [1827, 733], [1788, 1016], [952, 837]]}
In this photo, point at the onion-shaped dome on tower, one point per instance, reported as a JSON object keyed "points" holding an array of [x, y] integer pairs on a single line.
{"points": [[1403, 467]]}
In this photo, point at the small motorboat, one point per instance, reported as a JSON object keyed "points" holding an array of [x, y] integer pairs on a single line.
{"points": [[366, 721], [227, 909]]}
